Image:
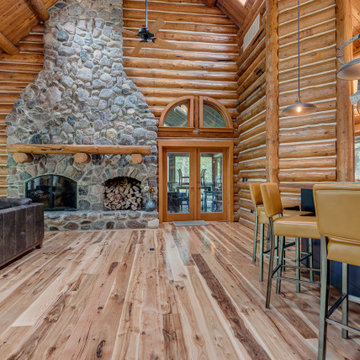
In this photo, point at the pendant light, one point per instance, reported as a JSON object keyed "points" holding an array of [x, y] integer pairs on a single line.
{"points": [[351, 70], [299, 108]]}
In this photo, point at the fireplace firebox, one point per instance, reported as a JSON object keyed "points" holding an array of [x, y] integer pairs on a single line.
{"points": [[54, 191]]}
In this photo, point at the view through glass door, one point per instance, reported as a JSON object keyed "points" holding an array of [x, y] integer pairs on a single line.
{"points": [[194, 184]]}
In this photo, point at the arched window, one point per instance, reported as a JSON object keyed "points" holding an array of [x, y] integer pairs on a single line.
{"points": [[195, 114]]}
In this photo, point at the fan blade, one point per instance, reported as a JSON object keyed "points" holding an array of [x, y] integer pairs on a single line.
{"points": [[156, 26], [165, 44], [124, 31], [137, 48]]}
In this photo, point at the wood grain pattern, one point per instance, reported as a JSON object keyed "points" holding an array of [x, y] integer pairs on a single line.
{"points": [[171, 293]]}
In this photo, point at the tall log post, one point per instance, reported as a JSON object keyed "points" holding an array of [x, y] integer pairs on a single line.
{"points": [[272, 91], [344, 110]]}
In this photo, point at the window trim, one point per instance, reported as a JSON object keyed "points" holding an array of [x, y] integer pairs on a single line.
{"points": [[173, 105]]}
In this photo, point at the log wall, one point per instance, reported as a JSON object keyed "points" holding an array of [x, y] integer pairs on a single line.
{"points": [[250, 143], [16, 72], [307, 151], [307, 144], [203, 63]]}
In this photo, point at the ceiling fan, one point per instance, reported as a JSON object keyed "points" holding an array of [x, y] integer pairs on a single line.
{"points": [[147, 34]]}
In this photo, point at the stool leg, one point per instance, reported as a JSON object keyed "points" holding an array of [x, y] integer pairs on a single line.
{"points": [[271, 263], [324, 298], [345, 303], [255, 237], [297, 256], [281, 261], [311, 259], [276, 249], [261, 255]]}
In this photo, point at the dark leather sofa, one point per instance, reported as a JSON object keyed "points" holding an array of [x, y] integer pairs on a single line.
{"points": [[21, 227]]}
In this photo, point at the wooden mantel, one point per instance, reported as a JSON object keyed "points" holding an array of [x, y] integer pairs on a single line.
{"points": [[23, 152], [39, 149]]}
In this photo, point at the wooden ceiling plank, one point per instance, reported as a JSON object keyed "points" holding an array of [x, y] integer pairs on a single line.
{"points": [[39, 9], [7, 46]]}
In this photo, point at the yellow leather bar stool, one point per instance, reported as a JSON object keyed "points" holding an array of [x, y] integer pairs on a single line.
{"points": [[298, 226], [262, 220], [338, 213]]}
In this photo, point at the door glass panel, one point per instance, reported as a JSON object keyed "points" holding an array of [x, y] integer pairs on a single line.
{"points": [[212, 117], [211, 182], [178, 183], [178, 116]]}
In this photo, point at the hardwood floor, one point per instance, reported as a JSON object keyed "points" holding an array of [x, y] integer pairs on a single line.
{"points": [[172, 293]]}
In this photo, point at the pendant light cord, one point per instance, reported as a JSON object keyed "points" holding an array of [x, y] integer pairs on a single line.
{"points": [[146, 13], [299, 100]]}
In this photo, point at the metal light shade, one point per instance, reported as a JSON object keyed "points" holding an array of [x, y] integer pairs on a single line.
{"points": [[350, 71], [299, 108]]}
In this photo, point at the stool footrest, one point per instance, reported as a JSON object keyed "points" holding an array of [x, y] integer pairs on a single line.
{"points": [[342, 326], [297, 280]]}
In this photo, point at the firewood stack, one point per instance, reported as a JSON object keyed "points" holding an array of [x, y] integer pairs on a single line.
{"points": [[123, 194]]}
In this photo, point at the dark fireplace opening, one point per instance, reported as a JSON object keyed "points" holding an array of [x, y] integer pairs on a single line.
{"points": [[122, 193], [54, 191]]}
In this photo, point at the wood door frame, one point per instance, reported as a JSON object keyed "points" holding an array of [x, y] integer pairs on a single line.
{"points": [[203, 144]]}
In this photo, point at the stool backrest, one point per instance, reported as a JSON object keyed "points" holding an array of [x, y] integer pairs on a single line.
{"points": [[255, 193], [338, 211], [271, 198]]}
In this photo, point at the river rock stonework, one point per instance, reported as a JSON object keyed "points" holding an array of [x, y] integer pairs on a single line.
{"points": [[83, 96]]}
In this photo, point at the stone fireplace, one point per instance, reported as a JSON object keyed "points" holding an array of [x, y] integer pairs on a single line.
{"points": [[83, 96]]}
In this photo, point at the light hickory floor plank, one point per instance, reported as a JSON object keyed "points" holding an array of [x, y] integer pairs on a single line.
{"points": [[172, 293]]}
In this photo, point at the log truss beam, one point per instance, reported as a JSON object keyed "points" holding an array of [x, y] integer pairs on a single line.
{"points": [[7, 46], [39, 9]]}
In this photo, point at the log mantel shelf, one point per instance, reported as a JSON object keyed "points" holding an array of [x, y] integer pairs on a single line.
{"points": [[39, 149], [23, 153]]}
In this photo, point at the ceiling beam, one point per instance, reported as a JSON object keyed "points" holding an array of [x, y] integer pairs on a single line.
{"points": [[39, 9], [7, 46]]}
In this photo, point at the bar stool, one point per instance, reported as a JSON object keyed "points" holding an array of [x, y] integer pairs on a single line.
{"points": [[338, 212], [262, 220], [298, 226]]}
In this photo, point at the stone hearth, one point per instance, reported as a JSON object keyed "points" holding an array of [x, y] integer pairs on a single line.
{"points": [[83, 96]]}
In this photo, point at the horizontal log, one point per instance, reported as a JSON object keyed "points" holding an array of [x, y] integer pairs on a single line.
{"points": [[179, 17], [250, 165], [255, 141], [178, 64], [252, 111], [181, 75], [73, 149], [312, 162], [308, 175], [250, 133], [184, 84], [308, 133], [326, 148], [252, 154]]}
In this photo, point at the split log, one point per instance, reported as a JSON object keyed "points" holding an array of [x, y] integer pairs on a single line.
{"points": [[82, 158], [22, 158], [136, 158]]}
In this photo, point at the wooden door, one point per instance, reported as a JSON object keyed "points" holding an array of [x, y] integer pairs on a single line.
{"points": [[196, 184], [179, 194], [212, 190]]}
